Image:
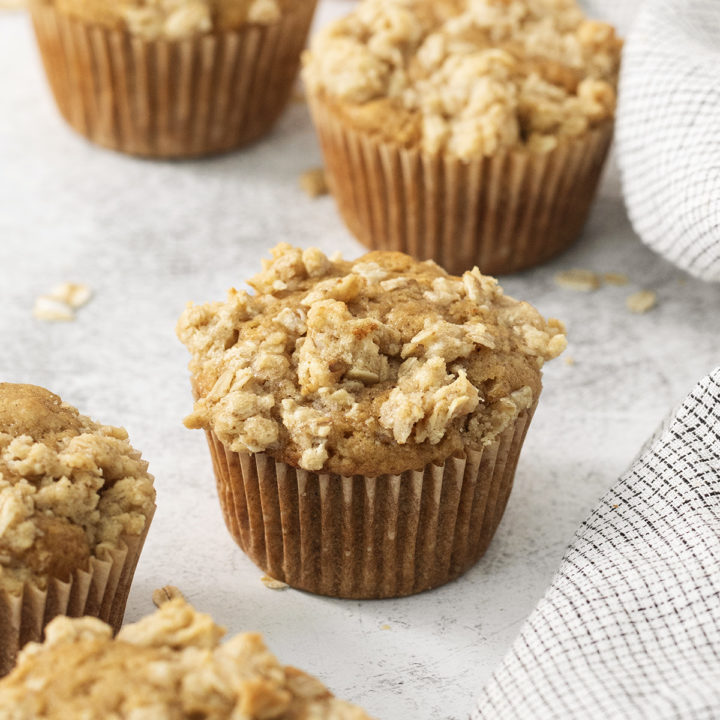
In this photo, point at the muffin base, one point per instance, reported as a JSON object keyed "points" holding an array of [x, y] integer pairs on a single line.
{"points": [[504, 213], [100, 591], [361, 537], [162, 98]]}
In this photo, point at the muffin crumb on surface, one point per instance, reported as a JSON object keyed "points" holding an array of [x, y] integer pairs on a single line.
{"points": [[314, 182], [369, 367], [169, 664]]}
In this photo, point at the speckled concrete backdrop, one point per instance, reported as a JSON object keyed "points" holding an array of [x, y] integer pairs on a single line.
{"points": [[150, 236]]}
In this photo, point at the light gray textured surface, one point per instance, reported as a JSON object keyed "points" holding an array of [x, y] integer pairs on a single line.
{"points": [[150, 236]]}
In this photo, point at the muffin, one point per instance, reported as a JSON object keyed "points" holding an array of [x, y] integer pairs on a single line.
{"points": [[365, 418], [171, 78], [76, 502], [169, 665], [470, 132]]}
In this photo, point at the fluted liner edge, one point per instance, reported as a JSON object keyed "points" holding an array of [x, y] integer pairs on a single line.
{"points": [[362, 537], [170, 98], [504, 213], [101, 591]]}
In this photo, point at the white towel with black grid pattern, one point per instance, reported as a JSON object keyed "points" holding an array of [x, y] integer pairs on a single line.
{"points": [[630, 627], [668, 126]]}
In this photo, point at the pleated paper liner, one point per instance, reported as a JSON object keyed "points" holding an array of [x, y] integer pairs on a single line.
{"points": [[100, 591], [361, 537], [504, 213], [161, 98]]}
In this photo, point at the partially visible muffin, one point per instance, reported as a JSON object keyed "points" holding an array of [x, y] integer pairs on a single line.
{"points": [[357, 371], [168, 665], [75, 504], [174, 19], [171, 78], [463, 130]]}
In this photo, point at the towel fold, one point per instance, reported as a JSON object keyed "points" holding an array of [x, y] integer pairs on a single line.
{"points": [[630, 627]]}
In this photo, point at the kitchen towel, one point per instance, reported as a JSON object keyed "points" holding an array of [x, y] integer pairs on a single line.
{"points": [[668, 127], [630, 627]]}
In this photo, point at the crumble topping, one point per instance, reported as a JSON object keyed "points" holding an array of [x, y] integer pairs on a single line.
{"points": [[368, 367], [468, 77], [69, 487], [176, 19], [171, 664]]}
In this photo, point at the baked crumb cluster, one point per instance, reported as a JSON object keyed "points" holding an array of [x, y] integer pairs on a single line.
{"points": [[468, 77], [69, 487], [169, 665], [367, 367], [175, 19]]}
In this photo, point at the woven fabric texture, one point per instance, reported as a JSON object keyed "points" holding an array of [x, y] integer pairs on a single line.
{"points": [[668, 130], [630, 627]]}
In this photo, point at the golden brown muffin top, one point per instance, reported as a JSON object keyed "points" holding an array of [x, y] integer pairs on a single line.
{"points": [[371, 367], [169, 665], [69, 487], [468, 77], [175, 19]]}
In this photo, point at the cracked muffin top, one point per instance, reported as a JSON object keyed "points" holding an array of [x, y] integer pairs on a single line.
{"points": [[468, 77], [170, 665], [371, 367], [69, 488], [175, 19]]}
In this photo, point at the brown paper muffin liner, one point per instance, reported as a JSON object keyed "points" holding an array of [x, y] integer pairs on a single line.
{"points": [[362, 537], [504, 213], [100, 591], [163, 98]]}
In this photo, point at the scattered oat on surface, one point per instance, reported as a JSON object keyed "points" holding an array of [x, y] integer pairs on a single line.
{"points": [[569, 360], [314, 182], [578, 279], [165, 594], [273, 584], [385, 627], [52, 310], [60, 303], [170, 664], [641, 301], [73, 294], [613, 278]]}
